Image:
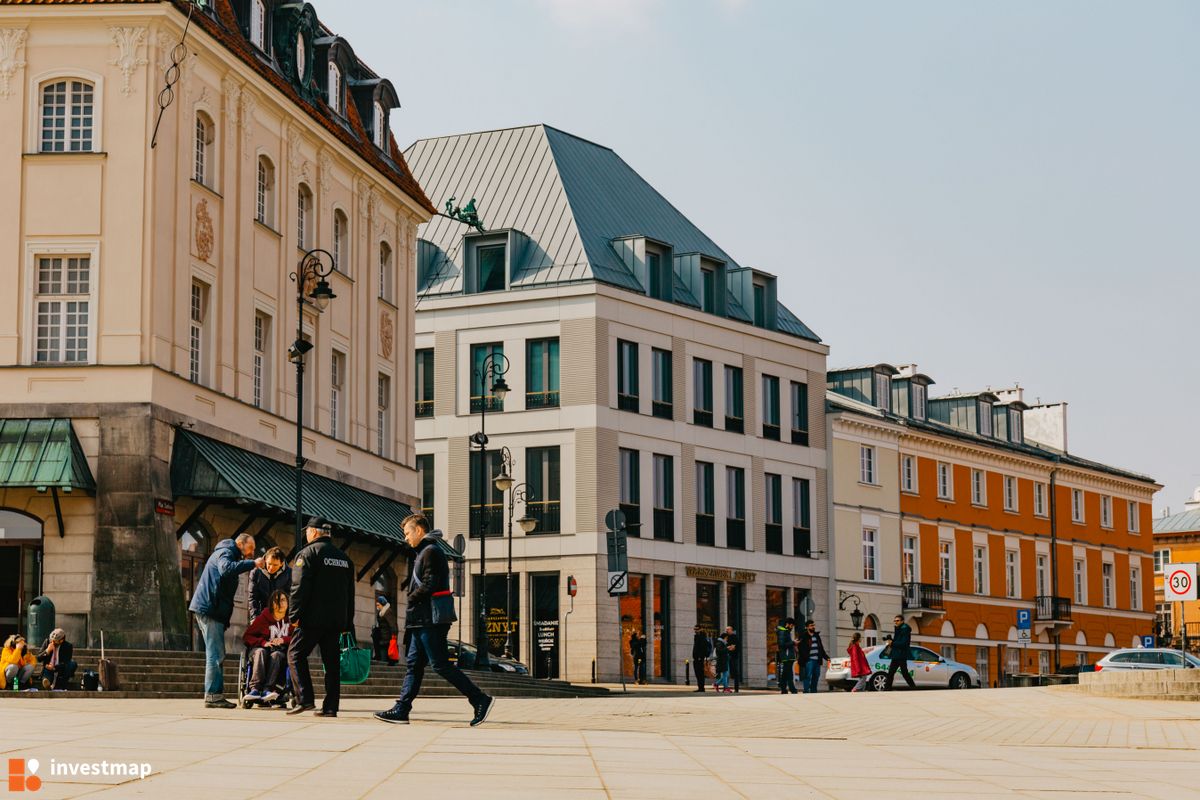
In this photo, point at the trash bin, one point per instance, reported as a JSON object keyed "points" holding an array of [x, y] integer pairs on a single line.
{"points": [[40, 621]]}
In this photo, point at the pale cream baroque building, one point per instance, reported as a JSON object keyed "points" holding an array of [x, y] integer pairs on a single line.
{"points": [[150, 302]]}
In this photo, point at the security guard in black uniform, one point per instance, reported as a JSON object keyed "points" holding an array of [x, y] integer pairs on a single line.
{"points": [[322, 605]]}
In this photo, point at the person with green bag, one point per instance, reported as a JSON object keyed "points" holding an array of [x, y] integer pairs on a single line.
{"points": [[322, 605]]}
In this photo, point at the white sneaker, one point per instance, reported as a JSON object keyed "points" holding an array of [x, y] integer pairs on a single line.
{"points": [[270, 697]]}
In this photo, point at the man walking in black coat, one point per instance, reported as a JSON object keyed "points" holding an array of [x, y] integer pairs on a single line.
{"points": [[701, 649], [427, 619], [810, 651], [901, 652], [785, 659], [322, 605], [735, 657]]}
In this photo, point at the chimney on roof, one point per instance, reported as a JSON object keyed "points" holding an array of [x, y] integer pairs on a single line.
{"points": [[1013, 395], [1046, 425], [1193, 502], [907, 370]]}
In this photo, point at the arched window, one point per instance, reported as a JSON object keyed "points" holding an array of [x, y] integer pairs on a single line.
{"points": [[870, 631], [385, 271], [258, 24], [67, 116], [335, 87], [204, 149], [264, 209], [341, 242], [303, 216]]}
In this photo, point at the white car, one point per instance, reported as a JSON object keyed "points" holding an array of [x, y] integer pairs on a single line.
{"points": [[1148, 658], [929, 671]]}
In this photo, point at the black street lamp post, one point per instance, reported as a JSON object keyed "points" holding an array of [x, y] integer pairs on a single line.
{"points": [[311, 287], [492, 370], [520, 491]]}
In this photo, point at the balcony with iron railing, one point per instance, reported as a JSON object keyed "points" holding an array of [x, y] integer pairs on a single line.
{"points": [[706, 529], [493, 513], [627, 402], [535, 400], [1048, 608], [735, 533], [735, 424], [664, 524], [662, 409], [633, 518], [424, 408], [702, 417], [802, 542], [918, 597], [548, 513], [774, 538], [491, 402]]}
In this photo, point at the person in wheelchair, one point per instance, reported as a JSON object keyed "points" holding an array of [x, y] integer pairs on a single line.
{"points": [[268, 637]]}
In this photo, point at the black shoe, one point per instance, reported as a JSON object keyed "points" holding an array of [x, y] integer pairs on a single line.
{"points": [[482, 710], [324, 713], [701, 689], [300, 709], [219, 702], [397, 715]]}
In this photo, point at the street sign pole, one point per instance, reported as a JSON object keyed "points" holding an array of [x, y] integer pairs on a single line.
{"points": [[1179, 585], [618, 576]]}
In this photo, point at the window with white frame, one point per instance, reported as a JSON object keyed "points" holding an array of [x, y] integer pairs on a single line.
{"points": [[1043, 662], [1042, 563], [335, 88], [978, 487], [337, 395], [866, 457], [1080, 576], [883, 391], [258, 24], [62, 307], [264, 199], [204, 169], [869, 545], [1106, 583], [383, 416], [304, 205], [1077, 505], [262, 360], [946, 564], [919, 394], [981, 664], [1013, 659], [945, 480], [378, 125], [1132, 513], [198, 333], [1164, 617], [1016, 426], [908, 473], [68, 116], [1105, 511], [1039, 499], [980, 569], [947, 651], [341, 241], [1012, 573], [1010, 493], [985, 418], [385, 271], [1161, 559], [908, 563], [1135, 588]]}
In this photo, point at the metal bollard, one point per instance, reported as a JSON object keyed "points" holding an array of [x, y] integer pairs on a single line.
{"points": [[687, 672]]}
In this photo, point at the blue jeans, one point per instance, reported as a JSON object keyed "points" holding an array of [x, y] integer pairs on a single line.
{"points": [[214, 654], [428, 646], [812, 673]]}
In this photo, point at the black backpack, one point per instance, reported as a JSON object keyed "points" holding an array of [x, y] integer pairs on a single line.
{"points": [[90, 682]]}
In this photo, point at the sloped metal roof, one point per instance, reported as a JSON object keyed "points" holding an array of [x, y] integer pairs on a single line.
{"points": [[1183, 522], [570, 197], [42, 454]]}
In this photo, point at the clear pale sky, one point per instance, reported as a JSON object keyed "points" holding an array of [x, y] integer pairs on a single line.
{"points": [[999, 192]]}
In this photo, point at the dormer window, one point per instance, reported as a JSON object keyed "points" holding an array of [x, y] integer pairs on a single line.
{"points": [[258, 24], [984, 411], [919, 396], [490, 262], [335, 88], [760, 305], [708, 289], [883, 391], [378, 122], [1016, 428]]}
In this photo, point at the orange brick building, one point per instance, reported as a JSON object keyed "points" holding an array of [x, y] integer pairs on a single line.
{"points": [[994, 520]]}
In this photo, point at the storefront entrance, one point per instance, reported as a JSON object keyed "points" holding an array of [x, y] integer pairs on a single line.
{"points": [[20, 570], [194, 547]]}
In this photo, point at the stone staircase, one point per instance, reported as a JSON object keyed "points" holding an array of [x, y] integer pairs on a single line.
{"points": [[1142, 684], [180, 674]]}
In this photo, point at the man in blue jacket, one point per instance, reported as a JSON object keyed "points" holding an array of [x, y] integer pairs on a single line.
{"points": [[213, 606]]}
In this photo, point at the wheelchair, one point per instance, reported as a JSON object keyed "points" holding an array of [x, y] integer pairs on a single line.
{"points": [[285, 698]]}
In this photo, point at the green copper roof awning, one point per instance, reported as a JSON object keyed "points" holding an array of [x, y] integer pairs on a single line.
{"points": [[207, 469], [42, 454]]}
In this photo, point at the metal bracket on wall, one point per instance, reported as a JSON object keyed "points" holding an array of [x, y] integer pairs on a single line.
{"points": [[200, 509], [384, 566], [58, 511], [367, 567]]}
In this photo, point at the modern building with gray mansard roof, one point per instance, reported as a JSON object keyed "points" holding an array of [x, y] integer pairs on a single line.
{"points": [[686, 395]]}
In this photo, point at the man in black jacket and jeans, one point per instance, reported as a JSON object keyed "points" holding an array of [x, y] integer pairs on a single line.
{"points": [[701, 650], [900, 652], [425, 633], [322, 604]]}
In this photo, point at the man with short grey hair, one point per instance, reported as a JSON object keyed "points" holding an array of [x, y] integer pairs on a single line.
{"points": [[213, 606]]}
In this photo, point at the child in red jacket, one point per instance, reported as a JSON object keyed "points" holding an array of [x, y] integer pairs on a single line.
{"points": [[268, 637], [859, 668]]}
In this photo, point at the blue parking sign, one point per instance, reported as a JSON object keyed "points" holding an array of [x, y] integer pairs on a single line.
{"points": [[1024, 618], [1147, 641]]}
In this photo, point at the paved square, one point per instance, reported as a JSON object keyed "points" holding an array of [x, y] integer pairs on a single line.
{"points": [[1015, 743]]}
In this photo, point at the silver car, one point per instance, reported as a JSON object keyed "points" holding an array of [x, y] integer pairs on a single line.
{"points": [[929, 671], [1148, 658]]}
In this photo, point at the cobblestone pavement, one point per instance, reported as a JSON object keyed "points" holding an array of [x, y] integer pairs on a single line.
{"points": [[1015, 743]]}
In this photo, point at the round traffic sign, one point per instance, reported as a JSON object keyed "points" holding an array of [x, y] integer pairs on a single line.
{"points": [[572, 586], [1180, 581]]}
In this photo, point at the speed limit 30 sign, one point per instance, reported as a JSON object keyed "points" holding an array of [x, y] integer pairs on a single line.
{"points": [[1179, 582]]}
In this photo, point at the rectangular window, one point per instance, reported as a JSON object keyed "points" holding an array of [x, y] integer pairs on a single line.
{"points": [[984, 410], [423, 384], [303, 216], [385, 272], [735, 512], [383, 416], [627, 376], [1077, 505], [490, 266], [335, 89], [1012, 573], [1135, 588], [1133, 512], [1105, 511], [1161, 559], [980, 569], [705, 504], [198, 334], [1016, 426], [946, 565], [1039, 499], [982, 662], [908, 564], [629, 465], [67, 117], [662, 399], [204, 140], [1106, 575], [800, 413], [258, 24], [337, 395], [734, 413], [541, 374], [542, 502], [1043, 575], [264, 202], [919, 395], [1080, 582], [262, 360], [487, 502], [774, 508], [702, 392], [1010, 493], [760, 305], [802, 523], [866, 464], [978, 487], [770, 407], [483, 358], [658, 277], [945, 481], [883, 391], [63, 309], [664, 497], [869, 555], [426, 475], [908, 473], [708, 288]]}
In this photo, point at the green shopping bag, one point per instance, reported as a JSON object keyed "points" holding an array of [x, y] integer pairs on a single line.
{"points": [[355, 661]]}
